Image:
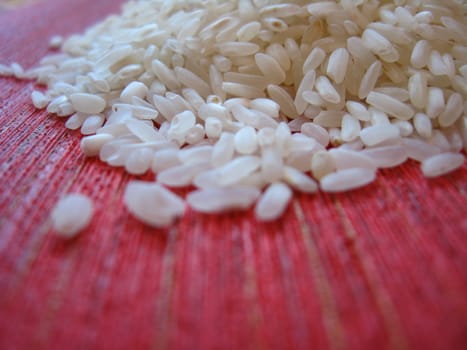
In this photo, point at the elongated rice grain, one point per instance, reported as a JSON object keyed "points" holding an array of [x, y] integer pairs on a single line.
{"points": [[216, 200], [337, 65], [271, 165], [181, 175], [273, 202], [299, 181], [314, 59], [345, 159], [283, 99], [242, 90], [245, 140], [350, 128], [322, 163], [326, 90], [453, 110], [307, 83], [347, 179], [386, 156], [237, 169], [369, 79], [235, 49], [419, 150], [418, 90], [191, 80], [152, 203], [441, 164], [422, 124], [376, 134], [390, 105], [270, 68], [87, 103], [278, 52], [91, 124], [139, 161]]}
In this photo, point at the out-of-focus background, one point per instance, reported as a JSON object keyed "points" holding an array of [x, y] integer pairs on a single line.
{"points": [[11, 4]]}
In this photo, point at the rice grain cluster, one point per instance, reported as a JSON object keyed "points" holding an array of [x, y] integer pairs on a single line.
{"points": [[248, 100]]}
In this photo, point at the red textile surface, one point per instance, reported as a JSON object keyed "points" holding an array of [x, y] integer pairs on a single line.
{"points": [[384, 267]]}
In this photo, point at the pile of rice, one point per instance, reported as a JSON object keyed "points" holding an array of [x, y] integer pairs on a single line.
{"points": [[249, 100]]}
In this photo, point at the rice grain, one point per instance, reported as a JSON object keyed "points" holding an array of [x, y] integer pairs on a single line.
{"points": [[152, 203], [347, 179], [71, 214], [273, 202], [441, 164]]}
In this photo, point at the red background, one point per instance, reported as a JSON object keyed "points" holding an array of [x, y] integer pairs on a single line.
{"points": [[384, 267]]}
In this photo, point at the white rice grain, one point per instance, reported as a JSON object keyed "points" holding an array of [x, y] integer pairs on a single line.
{"points": [[71, 214], [299, 181], [87, 103], [245, 140], [376, 134], [337, 65], [307, 83], [419, 150], [237, 169], [182, 175], [271, 164], [216, 200], [369, 79], [91, 145], [441, 164], [39, 100], [379, 45], [420, 54], [326, 90], [350, 128], [386, 156], [235, 49], [152, 203], [322, 163], [422, 124], [314, 59], [345, 159], [223, 150], [139, 161], [278, 52], [435, 102], [191, 80], [266, 106], [418, 90], [390, 105], [283, 99], [316, 132], [242, 90], [347, 179], [273, 202], [453, 110], [164, 159], [91, 124], [270, 68]]}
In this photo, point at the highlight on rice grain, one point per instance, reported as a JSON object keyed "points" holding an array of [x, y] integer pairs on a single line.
{"points": [[248, 100]]}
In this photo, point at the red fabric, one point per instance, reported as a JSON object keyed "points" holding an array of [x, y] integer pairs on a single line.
{"points": [[383, 267]]}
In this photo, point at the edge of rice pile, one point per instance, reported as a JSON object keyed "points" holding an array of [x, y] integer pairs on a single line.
{"points": [[248, 100]]}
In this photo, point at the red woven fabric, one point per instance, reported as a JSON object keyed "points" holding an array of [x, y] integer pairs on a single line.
{"points": [[383, 267]]}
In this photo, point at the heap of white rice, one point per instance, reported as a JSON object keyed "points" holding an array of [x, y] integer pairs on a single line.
{"points": [[248, 100]]}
